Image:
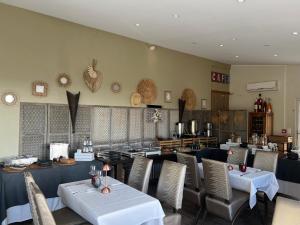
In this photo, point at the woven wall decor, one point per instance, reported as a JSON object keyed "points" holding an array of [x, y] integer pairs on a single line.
{"points": [[64, 80], [190, 99], [115, 87], [147, 90], [135, 99], [93, 78]]}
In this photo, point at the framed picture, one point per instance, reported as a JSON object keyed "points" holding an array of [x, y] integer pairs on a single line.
{"points": [[168, 96], [203, 103], [39, 88]]}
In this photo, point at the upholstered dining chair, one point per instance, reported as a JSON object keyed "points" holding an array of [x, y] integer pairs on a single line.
{"points": [[221, 199], [286, 212], [40, 211], [239, 155], [265, 161], [140, 173], [170, 190], [194, 190]]}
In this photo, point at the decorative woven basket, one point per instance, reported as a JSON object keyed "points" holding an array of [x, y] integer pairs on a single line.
{"points": [[147, 90], [190, 99]]}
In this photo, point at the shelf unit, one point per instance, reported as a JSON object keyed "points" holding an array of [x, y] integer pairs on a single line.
{"points": [[260, 123]]}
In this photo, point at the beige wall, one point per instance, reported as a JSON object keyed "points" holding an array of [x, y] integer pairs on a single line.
{"points": [[36, 47], [283, 100]]}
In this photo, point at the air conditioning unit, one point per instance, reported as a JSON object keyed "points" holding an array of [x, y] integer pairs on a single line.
{"points": [[263, 86]]}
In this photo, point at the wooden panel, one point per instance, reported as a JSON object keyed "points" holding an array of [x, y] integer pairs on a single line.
{"points": [[219, 100]]}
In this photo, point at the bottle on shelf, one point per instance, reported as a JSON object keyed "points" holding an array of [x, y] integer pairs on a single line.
{"points": [[256, 105], [265, 104], [269, 106], [259, 103]]}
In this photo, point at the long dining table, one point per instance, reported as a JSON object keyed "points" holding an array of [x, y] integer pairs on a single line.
{"points": [[251, 181], [123, 205]]}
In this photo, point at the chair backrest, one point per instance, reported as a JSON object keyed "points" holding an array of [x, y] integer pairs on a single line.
{"points": [[239, 155], [40, 211], [192, 177], [171, 183], [216, 179], [44, 214], [286, 212], [140, 173], [266, 161], [33, 208]]}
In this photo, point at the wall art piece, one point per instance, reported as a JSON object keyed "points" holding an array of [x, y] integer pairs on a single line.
{"points": [[135, 99], [115, 87], [64, 80], [147, 90], [73, 100], [203, 104], [39, 88], [92, 77], [168, 96], [9, 98], [190, 98], [220, 78]]}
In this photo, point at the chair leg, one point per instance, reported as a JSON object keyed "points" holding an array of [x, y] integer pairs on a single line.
{"points": [[197, 216], [204, 217]]}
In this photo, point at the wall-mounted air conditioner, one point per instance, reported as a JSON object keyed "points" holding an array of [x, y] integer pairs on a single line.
{"points": [[263, 86]]}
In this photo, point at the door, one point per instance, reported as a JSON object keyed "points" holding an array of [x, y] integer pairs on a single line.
{"points": [[219, 100]]}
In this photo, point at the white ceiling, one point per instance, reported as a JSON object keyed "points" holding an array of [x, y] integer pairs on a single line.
{"points": [[201, 27]]}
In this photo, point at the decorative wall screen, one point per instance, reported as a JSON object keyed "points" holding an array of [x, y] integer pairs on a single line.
{"points": [[42, 124]]}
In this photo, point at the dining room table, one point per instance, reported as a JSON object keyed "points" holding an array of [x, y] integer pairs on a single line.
{"points": [[251, 181], [123, 205]]}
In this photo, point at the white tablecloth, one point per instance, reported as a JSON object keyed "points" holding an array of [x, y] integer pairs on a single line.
{"points": [[123, 206], [251, 181]]}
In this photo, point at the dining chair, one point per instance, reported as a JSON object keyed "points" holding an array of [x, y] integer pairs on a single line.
{"points": [[286, 212], [170, 190], [40, 211], [194, 190], [221, 199], [140, 173], [238, 156], [266, 161]]}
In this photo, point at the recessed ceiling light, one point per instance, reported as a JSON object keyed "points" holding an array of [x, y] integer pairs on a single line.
{"points": [[236, 56], [267, 45], [295, 33], [152, 47], [241, 1], [137, 24], [221, 45], [234, 39], [176, 16], [275, 55]]}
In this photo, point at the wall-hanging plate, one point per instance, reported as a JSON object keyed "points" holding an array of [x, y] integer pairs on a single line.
{"points": [[115, 87], [190, 99], [147, 90], [135, 99]]}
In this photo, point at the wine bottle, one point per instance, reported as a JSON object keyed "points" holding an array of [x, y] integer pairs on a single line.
{"points": [[259, 103], [255, 105], [269, 106]]}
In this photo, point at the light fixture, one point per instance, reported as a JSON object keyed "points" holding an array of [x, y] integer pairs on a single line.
{"points": [[152, 47], [267, 45], [237, 56], [275, 55], [106, 189], [221, 45], [176, 16], [295, 33], [137, 24], [241, 1], [234, 39]]}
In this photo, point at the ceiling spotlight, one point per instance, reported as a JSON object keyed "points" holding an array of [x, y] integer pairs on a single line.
{"points": [[176, 16], [152, 47], [237, 56], [295, 33], [234, 39], [221, 45], [275, 55], [241, 1], [137, 24]]}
